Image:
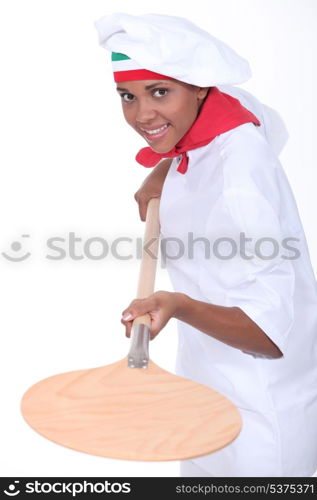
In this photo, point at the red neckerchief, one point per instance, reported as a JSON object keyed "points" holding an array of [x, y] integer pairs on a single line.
{"points": [[219, 113]]}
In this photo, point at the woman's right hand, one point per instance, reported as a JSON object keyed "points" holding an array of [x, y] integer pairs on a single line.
{"points": [[152, 186]]}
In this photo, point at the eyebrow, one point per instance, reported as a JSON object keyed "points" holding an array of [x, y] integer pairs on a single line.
{"points": [[148, 87]]}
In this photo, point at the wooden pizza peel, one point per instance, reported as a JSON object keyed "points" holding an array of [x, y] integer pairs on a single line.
{"points": [[133, 409]]}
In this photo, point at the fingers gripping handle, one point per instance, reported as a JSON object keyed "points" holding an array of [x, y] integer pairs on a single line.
{"points": [[138, 355]]}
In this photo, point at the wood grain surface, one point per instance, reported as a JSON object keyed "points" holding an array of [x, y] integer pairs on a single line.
{"points": [[132, 414]]}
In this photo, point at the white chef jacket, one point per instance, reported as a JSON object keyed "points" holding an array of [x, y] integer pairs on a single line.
{"points": [[236, 185]]}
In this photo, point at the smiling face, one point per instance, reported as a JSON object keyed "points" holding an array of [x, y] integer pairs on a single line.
{"points": [[161, 110]]}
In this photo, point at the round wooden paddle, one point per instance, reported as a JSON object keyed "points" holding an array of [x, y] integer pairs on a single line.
{"points": [[133, 409]]}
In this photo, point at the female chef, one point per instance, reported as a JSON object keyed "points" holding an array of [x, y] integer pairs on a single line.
{"points": [[245, 293]]}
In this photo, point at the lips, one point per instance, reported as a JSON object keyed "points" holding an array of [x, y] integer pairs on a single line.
{"points": [[156, 130], [151, 134]]}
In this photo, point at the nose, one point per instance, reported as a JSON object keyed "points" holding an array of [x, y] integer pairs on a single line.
{"points": [[145, 112]]}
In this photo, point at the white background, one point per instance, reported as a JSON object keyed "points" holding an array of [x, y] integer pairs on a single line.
{"points": [[67, 165]]}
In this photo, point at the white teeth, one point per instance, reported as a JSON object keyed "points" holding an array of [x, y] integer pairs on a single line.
{"points": [[156, 131]]}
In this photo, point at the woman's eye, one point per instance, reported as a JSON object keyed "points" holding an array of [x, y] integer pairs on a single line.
{"points": [[160, 92], [127, 97]]}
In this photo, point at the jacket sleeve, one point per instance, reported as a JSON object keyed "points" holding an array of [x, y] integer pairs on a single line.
{"points": [[251, 262]]}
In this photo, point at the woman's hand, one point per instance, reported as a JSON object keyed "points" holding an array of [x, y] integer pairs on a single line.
{"points": [[152, 186], [161, 306]]}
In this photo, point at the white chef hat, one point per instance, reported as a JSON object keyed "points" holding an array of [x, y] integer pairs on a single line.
{"points": [[170, 47]]}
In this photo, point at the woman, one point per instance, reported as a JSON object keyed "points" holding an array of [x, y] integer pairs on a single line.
{"points": [[245, 293]]}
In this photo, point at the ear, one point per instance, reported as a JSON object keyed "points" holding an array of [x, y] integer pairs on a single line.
{"points": [[202, 92]]}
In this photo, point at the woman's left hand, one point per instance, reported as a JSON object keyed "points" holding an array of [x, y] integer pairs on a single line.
{"points": [[161, 306]]}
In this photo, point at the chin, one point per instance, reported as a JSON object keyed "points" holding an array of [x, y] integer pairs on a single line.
{"points": [[161, 149]]}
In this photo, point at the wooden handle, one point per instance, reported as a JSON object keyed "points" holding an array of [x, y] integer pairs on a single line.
{"points": [[149, 256], [138, 355]]}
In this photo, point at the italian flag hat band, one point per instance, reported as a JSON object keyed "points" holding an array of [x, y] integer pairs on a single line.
{"points": [[125, 69]]}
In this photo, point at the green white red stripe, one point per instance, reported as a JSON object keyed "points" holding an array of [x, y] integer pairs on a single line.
{"points": [[125, 69]]}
